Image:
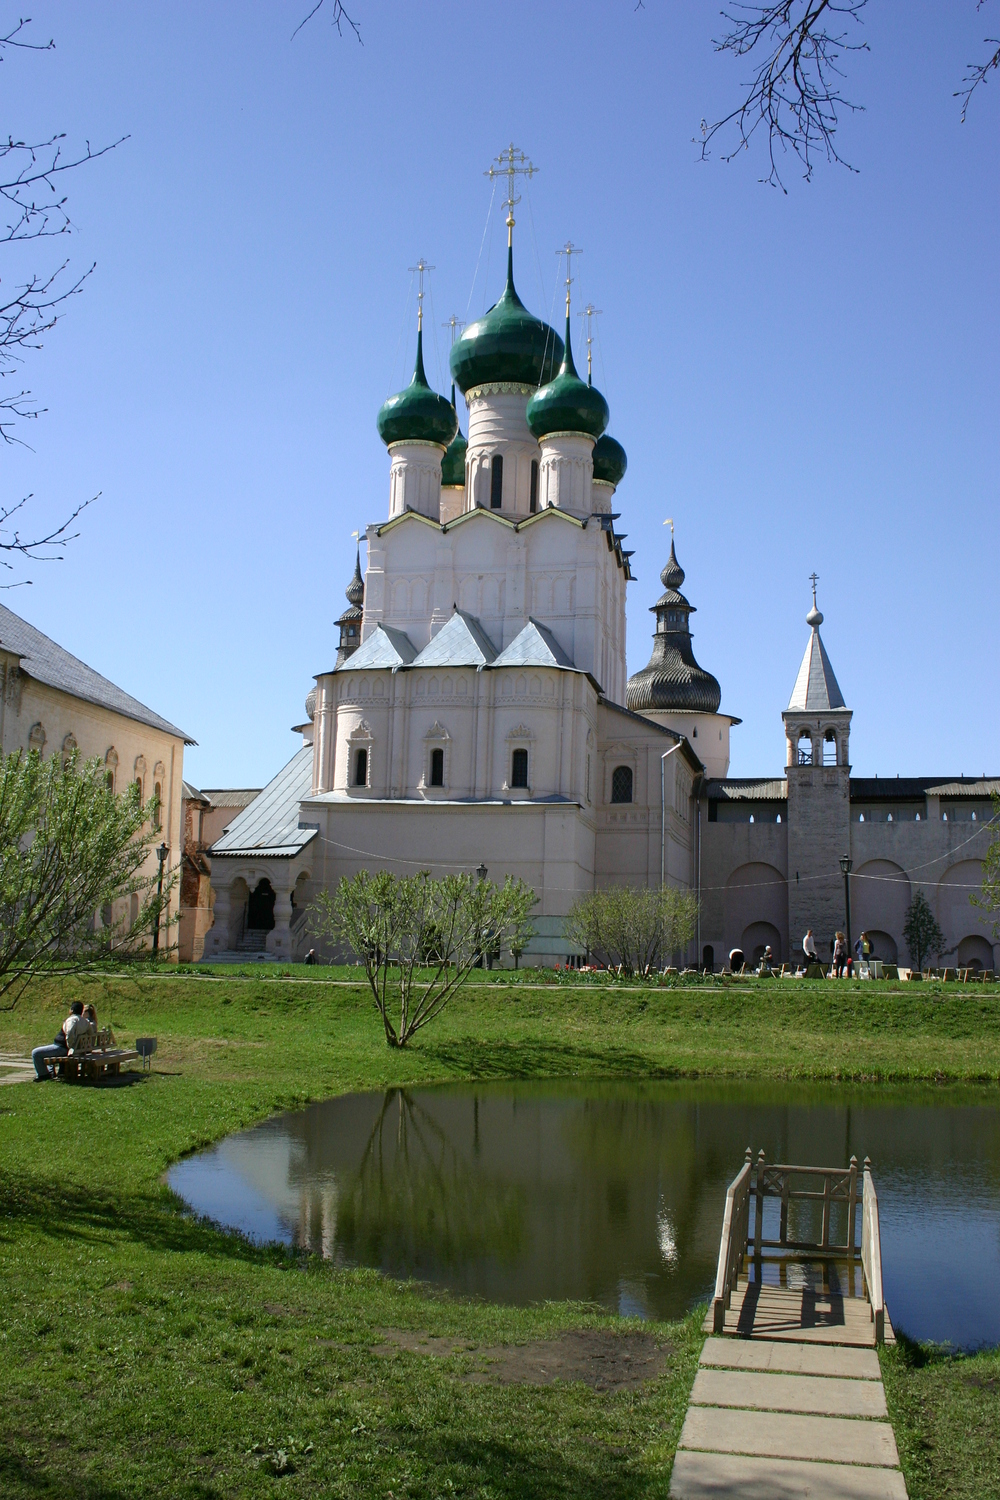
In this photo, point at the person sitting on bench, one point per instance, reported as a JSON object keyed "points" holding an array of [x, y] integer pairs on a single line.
{"points": [[71, 1028]]}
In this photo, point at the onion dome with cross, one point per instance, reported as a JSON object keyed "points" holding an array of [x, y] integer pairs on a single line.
{"points": [[418, 414], [509, 345], [567, 403]]}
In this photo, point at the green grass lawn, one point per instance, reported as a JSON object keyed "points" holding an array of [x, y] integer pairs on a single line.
{"points": [[143, 1353]]}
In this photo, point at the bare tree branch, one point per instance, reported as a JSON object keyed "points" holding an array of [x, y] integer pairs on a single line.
{"points": [[795, 93], [40, 549], [338, 17], [976, 73]]}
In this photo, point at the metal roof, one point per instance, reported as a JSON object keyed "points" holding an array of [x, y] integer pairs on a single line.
{"points": [[915, 788], [462, 642], [230, 796], [270, 825], [816, 689], [534, 646], [191, 793], [765, 790], [385, 647], [46, 662]]}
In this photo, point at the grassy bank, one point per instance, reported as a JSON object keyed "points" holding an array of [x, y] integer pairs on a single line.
{"points": [[146, 1354]]}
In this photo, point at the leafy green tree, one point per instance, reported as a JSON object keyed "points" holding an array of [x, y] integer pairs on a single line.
{"points": [[72, 857], [398, 926], [633, 929], [921, 932], [988, 899]]}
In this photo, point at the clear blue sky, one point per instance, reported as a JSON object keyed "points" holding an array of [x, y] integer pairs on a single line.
{"points": [[802, 381]]}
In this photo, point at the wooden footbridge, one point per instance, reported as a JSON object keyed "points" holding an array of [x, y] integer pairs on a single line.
{"points": [[788, 1400]]}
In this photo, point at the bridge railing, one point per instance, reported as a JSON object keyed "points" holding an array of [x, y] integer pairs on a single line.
{"points": [[735, 1237], [871, 1253], [826, 1186]]}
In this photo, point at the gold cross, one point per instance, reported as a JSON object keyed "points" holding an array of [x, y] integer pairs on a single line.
{"points": [[421, 266], [510, 164], [455, 324], [569, 250], [590, 312]]}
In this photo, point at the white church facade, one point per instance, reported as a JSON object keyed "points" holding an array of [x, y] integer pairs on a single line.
{"points": [[479, 711]]}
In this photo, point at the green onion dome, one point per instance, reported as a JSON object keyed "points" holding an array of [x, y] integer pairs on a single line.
{"points": [[610, 461], [453, 463], [567, 404], [506, 347], [418, 414]]}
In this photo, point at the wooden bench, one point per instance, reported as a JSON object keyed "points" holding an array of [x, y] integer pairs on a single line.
{"points": [[96, 1063]]}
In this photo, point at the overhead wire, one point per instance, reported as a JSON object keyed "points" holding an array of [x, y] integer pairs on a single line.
{"points": [[482, 242], [402, 330]]}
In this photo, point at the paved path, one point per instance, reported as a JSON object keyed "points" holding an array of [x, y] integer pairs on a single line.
{"points": [[15, 1069], [790, 1405]]}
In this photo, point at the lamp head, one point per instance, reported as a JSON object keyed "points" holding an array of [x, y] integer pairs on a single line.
{"points": [[162, 853], [846, 864]]}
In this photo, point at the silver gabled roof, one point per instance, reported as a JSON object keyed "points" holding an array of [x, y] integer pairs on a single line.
{"points": [[270, 825], [42, 659], [462, 642], [816, 688], [385, 647], [534, 646]]}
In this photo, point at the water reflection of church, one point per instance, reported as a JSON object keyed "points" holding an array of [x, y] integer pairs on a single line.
{"points": [[479, 710]]}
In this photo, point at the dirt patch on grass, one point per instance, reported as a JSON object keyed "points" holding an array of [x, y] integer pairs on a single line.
{"points": [[605, 1361]]}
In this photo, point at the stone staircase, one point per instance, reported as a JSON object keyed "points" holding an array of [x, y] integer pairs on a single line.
{"points": [[252, 941]]}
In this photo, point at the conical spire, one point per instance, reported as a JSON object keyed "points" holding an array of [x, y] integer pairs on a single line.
{"points": [[567, 404], [673, 574], [816, 688]]}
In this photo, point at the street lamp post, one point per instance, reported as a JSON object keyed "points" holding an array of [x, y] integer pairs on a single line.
{"points": [[846, 865], [484, 959], [161, 855]]}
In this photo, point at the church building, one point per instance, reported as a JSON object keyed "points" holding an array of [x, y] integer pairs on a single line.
{"points": [[478, 712]]}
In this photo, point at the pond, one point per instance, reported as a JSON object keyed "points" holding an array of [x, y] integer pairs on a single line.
{"points": [[613, 1192]]}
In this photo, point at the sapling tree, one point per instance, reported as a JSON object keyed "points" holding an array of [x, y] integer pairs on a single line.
{"points": [[417, 938], [988, 897], [633, 929], [921, 932], [74, 884]]}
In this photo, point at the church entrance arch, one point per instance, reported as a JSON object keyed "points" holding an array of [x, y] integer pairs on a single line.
{"points": [[883, 945], [260, 907], [974, 952]]}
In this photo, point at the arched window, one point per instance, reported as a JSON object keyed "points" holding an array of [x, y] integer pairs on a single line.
{"points": [[519, 768], [138, 786], [829, 748], [533, 501], [694, 734], [751, 817], [361, 768], [621, 784], [496, 482], [157, 795], [804, 750], [778, 818], [109, 780], [437, 767]]}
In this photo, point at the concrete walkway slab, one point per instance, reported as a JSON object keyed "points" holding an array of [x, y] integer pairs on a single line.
{"points": [[784, 1435], [794, 1359], [768, 1391], [712, 1476]]}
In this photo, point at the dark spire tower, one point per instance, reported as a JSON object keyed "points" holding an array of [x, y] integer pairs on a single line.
{"points": [[672, 681], [350, 621]]}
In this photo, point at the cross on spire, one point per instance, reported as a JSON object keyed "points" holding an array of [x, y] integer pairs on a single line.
{"points": [[455, 324], [420, 267], [511, 163], [569, 250], [590, 312], [814, 579]]}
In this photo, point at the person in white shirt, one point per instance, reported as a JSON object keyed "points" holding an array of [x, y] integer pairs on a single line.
{"points": [[63, 1044], [809, 947]]}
